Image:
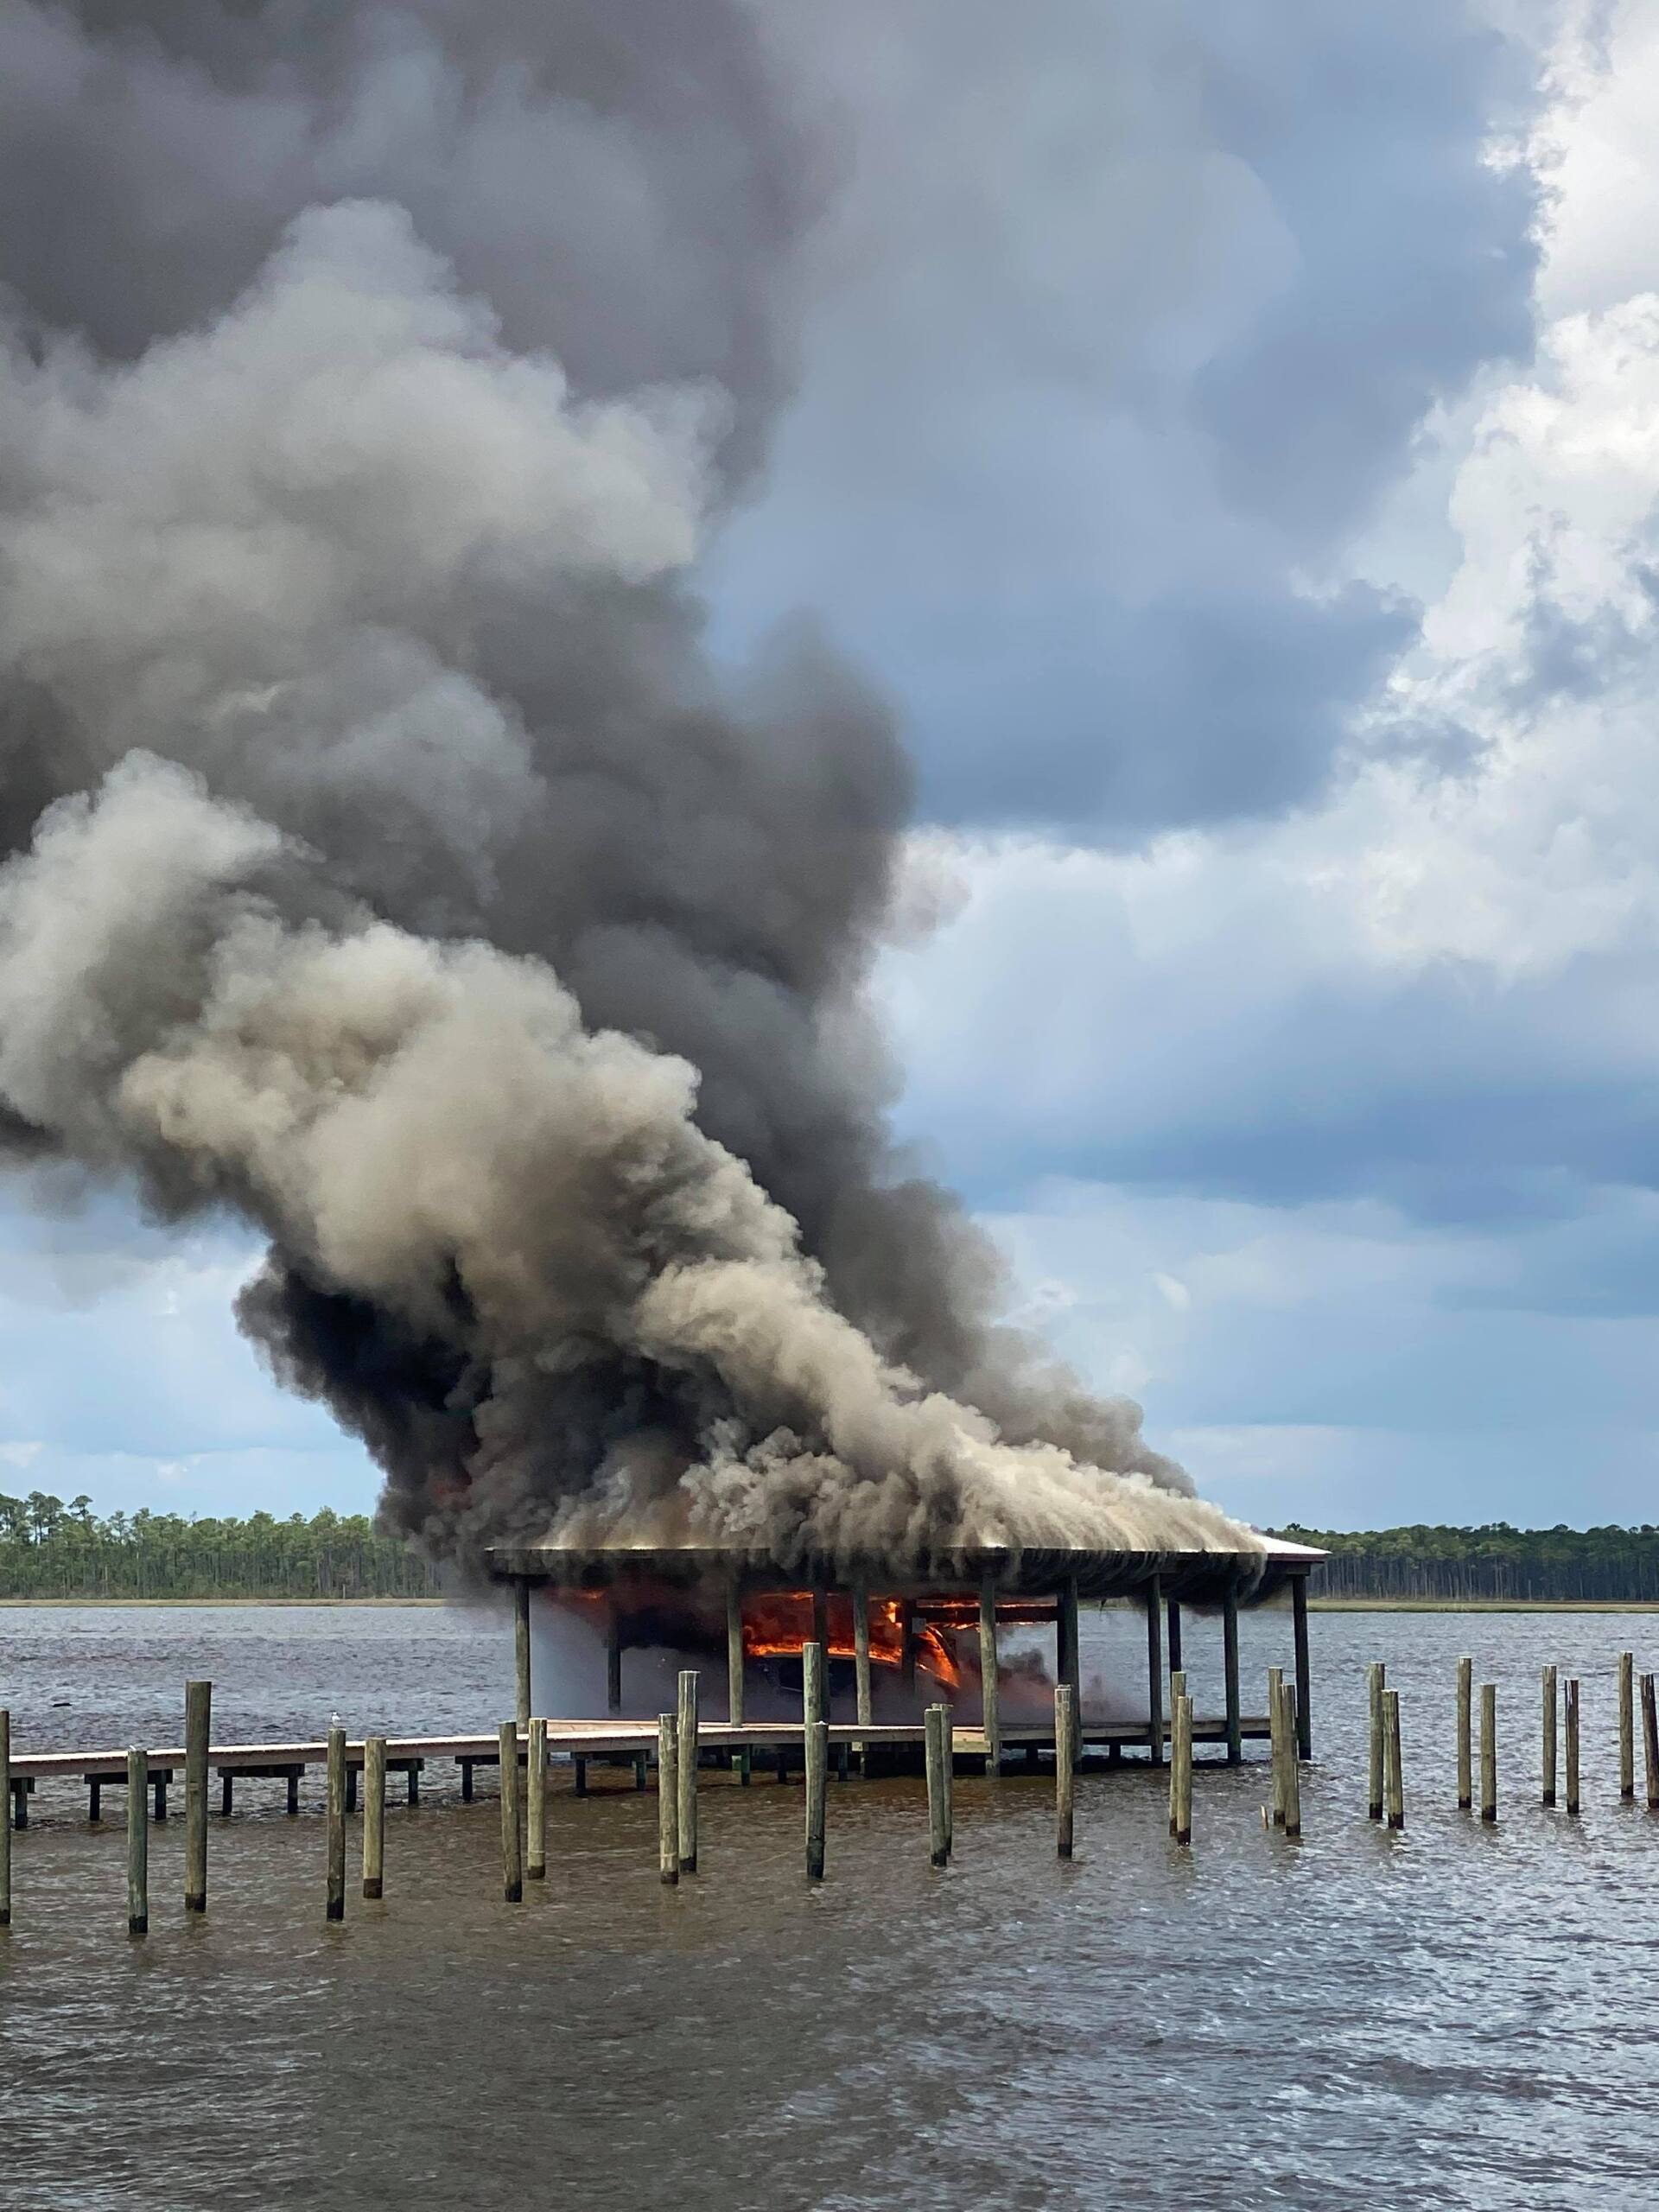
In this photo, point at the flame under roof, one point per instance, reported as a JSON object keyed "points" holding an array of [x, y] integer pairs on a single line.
{"points": [[1196, 1577]]}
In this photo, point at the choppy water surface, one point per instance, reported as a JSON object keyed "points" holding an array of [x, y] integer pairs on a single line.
{"points": [[1453, 2018]]}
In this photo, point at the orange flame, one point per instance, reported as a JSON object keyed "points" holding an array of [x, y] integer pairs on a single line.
{"points": [[778, 1623]]}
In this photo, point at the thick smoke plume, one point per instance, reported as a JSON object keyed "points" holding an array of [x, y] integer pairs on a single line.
{"points": [[392, 864]]}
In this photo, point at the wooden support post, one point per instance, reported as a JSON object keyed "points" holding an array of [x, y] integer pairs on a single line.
{"points": [[1156, 1670], [863, 1695], [512, 1851], [521, 1643], [1465, 1763], [1068, 1657], [745, 1760], [1229, 1671], [1065, 1763], [813, 1699], [734, 1655], [1650, 1742], [226, 1793], [936, 1723], [1289, 1752], [137, 1841], [1172, 1619], [1275, 1733], [1395, 1776], [1304, 1667], [198, 1714], [668, 1798], [335, 1909], [1549, 1736], [1570, 1731], [1626, 1725], [686, 1726], [1376, 1677], [5, 1818], [821, 1637], [1181, 1769], [536, 1804], [612, 1662], [159, 1793], [1488, 1750], [989, 1706], [374, 1817], [817, 1770], [907, 1644]]}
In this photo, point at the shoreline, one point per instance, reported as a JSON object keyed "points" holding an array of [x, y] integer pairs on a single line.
{"points": [[79, 1604], [1483, 1605]]}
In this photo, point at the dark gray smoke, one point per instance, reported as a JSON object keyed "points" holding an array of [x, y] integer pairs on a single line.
{"points": [[370, 378]]}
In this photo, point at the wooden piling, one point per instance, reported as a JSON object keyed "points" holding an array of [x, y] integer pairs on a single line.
{"points": [[1230, 1671], [1570, 1732], [1549, 1724], [1289, 1741], [1180, 1761], [512, 1850], [907, 1645], [374, 1817], [1173, 1630], [1488, 1750], [521, 1643], [1651, 1741], [1156, 1670], [1394, 1784], [1067, 1655], [1375, 1681], [1465, 1766], [1275, 1743], [734, 1655], [137, 1841], [990, 1709], [335, 1907], [1065, 1763], [686, 1779], [1626, 1725], [864, 1704], [536, 1804], [936, 1723], [817, 1771], [668, 1798], [5, 1818], [198, 1717]]}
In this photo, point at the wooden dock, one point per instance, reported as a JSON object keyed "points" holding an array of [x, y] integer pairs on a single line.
{"points": [[782, 1743]]}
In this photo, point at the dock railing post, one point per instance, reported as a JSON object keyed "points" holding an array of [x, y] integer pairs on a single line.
{"points": [[1275, 1742], [512, 1856], [1488, 1750], [1549, 1724], [818, 1772], [1465, 1763], [1376, 1679], [1304, 1667], [536, 1803], [1396, 1781], [990, 1710], [668, 1798], [1065, 1765], [374, 1817], [1570, 1733], [521, 1643], [137, 1841], [1156, 1670], [5, 1818], [1626, 1727], [1650, 1742], [686, 1778], [1230, 1671], [735, 1654], [864, 1704], [1289, 1750], [198, 1717], [335, 1906]]}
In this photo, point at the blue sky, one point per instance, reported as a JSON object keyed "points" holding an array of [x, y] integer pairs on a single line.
{"points": [[1228, 436]]}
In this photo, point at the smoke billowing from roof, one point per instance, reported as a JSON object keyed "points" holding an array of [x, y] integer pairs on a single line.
{"points": [[406, 878]]}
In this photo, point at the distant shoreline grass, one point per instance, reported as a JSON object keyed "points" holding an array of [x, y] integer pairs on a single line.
{"points": [[150, 1604], [1483, 1605]]}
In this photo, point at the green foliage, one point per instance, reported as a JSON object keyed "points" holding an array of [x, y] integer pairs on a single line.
{"points": [[49, 1549], [1493, 1561]]}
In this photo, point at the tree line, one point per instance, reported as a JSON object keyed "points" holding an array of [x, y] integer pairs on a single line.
{"points": [[49, 1549], [1495, 1560]]}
